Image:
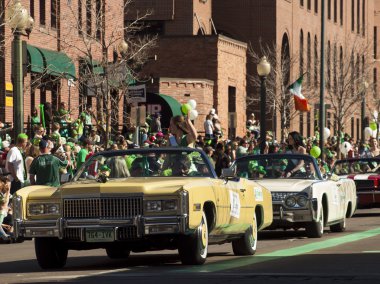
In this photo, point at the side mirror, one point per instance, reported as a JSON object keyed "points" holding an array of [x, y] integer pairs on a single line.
{"points": [[228, 173]]}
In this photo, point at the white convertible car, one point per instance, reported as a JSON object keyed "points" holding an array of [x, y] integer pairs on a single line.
{"points": [[301, 196]]}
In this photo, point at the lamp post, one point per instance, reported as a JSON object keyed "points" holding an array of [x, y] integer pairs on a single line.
{"points": [[263, 69], [363, 92], [21, 24]]}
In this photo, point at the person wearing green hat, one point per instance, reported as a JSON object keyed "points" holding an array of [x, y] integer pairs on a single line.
{"points": [[15, 163]]}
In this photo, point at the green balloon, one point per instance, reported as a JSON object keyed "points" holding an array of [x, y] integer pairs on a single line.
{"points": [[373, 125], [185, 108], [315, 151]]}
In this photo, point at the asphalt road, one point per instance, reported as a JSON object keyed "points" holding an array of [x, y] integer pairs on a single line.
{"points": [[282, 257]]}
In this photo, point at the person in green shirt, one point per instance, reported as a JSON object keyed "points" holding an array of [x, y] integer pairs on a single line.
{"points": [[44, 169], [82, 154]]}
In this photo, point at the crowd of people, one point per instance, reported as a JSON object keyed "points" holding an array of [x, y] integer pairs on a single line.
{"points": [[59, 146]]}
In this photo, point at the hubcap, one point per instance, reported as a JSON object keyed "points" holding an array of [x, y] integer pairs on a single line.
{"points": [[204, 235]]}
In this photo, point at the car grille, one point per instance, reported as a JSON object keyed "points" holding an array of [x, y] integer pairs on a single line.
{"points": [[103, 208], [73, 234], [127, 233], [364, 184]]}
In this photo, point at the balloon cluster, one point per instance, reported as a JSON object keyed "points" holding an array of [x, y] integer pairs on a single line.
{"points": [[370, 131], [190, 109]]}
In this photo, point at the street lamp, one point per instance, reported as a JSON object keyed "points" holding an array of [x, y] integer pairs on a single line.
{"points": [[263, 69], [364, 87], [21, 24]]}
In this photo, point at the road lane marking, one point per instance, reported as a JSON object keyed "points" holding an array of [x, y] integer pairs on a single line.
{"points": [[259, 258]]}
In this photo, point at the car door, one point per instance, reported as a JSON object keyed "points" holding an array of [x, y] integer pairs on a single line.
{"points": [[334, 199]]}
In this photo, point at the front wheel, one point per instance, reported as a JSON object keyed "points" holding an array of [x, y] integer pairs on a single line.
{"points": [[193, 249], [247, 244], [315, 228], [50, 253]]}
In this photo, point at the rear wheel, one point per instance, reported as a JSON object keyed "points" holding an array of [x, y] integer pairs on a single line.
{"points": [[193, 249], [340, 227], [247, 244], [315, 228], [50, 253]]}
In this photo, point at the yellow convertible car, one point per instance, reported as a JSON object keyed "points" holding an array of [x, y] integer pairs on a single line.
{"points": [[140, 200]]}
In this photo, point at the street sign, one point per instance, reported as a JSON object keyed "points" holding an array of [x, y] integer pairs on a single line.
{"points": [[137, 94]]}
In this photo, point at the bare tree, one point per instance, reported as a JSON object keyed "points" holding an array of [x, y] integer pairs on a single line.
{"points": [[278, 96], [111, 52], [351, 66]]}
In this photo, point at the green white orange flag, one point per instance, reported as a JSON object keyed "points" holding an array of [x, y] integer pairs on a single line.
{"points": [[300, 101]]}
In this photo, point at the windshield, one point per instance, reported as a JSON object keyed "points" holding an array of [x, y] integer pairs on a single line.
{"points": [[353, 167], [277, 167], [149, 163]]}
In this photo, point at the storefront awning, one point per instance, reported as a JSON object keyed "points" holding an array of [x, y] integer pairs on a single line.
{"points": [[35, 59], [58, 63], [173, 104]]}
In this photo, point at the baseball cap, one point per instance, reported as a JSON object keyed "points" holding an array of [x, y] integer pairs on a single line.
{"points": [[43, 144]]}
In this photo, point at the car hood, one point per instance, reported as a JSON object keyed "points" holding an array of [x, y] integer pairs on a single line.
{"points": [[285, 185], [151, 186]]}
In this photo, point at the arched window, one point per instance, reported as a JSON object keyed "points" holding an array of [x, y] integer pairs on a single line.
{"points": [[335, 11], [316, 62], [353, 15], [308, 68], [301, 52], [315, 6]]}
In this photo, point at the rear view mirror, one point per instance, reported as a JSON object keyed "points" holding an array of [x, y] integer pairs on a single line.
{"points": [[228, 173]]}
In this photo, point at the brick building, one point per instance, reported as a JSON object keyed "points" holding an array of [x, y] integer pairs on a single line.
{"points": [[297, 24]]}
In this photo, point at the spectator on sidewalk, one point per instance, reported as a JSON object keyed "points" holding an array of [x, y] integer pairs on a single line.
{"points": [[15, 163]]}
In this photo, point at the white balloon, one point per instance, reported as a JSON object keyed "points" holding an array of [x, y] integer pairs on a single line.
{"points": [[368, 132], [192, 103], [345, 147], [326, 133], [193, 114]]}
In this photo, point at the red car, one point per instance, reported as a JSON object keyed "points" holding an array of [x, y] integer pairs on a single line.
{"points": [[366, 174]]}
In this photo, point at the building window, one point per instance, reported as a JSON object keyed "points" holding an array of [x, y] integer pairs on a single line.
{"points": [[316, 62], [375, 42], [329, 9], [308, 67], [352, 127], [301, 123], [99, 18], [335, 67], [301, 3], [308, 124], [301, 52], [32, 8], [357, 128], [358, 18], [315, 6], [328, 120], [328, 65], [42, 13], [353, 15], [341, 65], [341, 12], [53, 16], [335, 11], [375, 81], [80, 18], [352, 79], [89, 17], [309, 4], [363, 18]]}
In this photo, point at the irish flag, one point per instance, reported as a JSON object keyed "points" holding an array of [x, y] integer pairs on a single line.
{"points": [[300, 102]]}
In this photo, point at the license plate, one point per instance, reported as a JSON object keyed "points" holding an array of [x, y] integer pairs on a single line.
{"points": [[100, 235]]}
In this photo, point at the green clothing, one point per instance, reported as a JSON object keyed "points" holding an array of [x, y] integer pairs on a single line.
{"points": [[46, 168], [81, 157], [35, 120]]}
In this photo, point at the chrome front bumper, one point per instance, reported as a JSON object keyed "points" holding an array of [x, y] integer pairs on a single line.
{"points": [[143, 226], [281, 214]]}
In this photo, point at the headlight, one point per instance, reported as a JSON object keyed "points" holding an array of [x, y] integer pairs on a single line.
{"points": [[36, 209], [302, 201], [290, 201], [161, 205]]}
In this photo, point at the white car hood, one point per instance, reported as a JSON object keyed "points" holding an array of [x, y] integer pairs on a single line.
{"points": [[285, 185]]}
